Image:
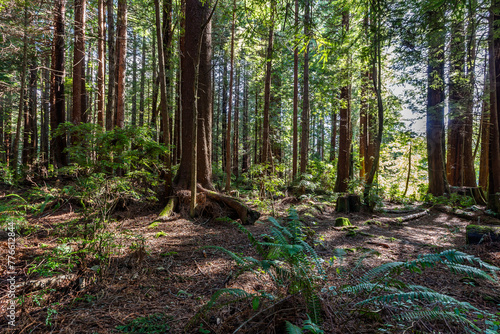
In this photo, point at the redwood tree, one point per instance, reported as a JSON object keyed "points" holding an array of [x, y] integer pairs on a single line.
{"points": [[79, 90]]}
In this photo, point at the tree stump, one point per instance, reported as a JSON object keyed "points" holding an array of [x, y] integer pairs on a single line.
{"points": [[348, 203], [476, 234]]}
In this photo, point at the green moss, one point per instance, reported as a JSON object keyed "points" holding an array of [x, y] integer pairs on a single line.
{"points": [[342, 221]]}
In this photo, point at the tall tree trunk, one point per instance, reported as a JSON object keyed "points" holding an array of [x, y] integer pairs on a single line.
{"points": [[344, 155], [8, 128], [134, 80], [198, 28], [224, 114], [266, 144], [236, 134], [121, 54], [143, 82], [295, 96], [167, 36], [231, 88], [245, 159], [79, 90], [30, 128], [163, 101], [101, 38], [485, 140], [438, 184], [304, 143], [17, 138], [156, 85], [110, 107], [57, 98], [377, 88], [257, 130], [459, 167], [494, 145]]}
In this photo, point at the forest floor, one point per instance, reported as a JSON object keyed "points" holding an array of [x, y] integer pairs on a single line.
{"points": [[159, 268]]}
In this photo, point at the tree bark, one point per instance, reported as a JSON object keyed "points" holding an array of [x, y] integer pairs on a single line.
{"points": [[110, 107], [101, 24], [121, 54], [57, 98], [17, 138], [266, 144], [79, 90], [163, 101], [30, 128], [229, 114], [304, 141], [134, 80], [245, 159], [143, 82], [295, 96], [344, 155], [196, 15], [494, 144], [236, 134], [435, 134], [333, 136]]}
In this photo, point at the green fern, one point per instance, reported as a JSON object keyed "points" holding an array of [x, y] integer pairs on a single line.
{"points": [[432, 315]]}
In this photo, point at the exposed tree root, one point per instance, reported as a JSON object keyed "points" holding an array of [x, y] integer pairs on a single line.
{"points": [[209, 203], [245, 214]]}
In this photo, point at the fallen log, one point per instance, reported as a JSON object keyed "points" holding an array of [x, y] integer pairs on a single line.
{"points": [[476, 234], [245, 214]]}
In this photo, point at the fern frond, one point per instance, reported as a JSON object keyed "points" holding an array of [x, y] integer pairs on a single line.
{"points": [[382, 269], [239, 293], [430, 315], [312, 253], [314, 307], [367, 287], [250, 237], [239, 260], [292, 329], [468, 270], [418, 295]]}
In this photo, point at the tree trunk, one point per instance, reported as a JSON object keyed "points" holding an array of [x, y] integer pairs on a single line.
{"points": [[344, 155], [164, 100], [231, 87], [304, 141], [236, 134], [485, 141], [110, 107], [333, 136], [45, 115], [266, 144], [134, 80], [79, 90], [121, 54], [17, 139], [101, 31], [30, 128], [245, 159], [438, 184], [459, 169], [57, 98], [143, 82], [295, 97], [494, 144], [224, 114], [196, 15]]}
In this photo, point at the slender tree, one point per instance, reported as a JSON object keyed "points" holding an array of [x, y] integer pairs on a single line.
{"points": [[231, 88], [121, 53], [79, 91], [266, 144], [110, 106], [100, 60], [295, 96], [304, 143]]}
